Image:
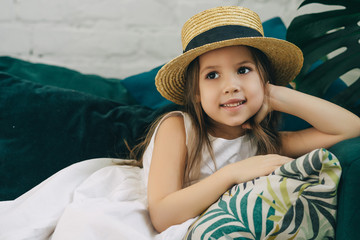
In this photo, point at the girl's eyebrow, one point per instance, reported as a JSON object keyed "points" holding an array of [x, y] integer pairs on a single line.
{"points": [[246, 62], [202, 70], [210, 67]]}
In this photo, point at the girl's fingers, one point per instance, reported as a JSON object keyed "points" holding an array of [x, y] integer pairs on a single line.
{"points": [[246, 125], [264, 110]]}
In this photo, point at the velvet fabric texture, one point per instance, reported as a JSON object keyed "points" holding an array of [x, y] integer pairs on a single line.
{"points": [[45, 128]]}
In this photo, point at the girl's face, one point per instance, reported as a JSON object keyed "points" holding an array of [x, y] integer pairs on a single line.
{"points": [[230, 89]]}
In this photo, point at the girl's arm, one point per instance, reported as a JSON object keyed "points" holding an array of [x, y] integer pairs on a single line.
{"points": [[331, 123], [169, 203]]}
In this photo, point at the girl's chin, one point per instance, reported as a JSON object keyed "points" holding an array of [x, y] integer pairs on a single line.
{"points": [[233, 123]]}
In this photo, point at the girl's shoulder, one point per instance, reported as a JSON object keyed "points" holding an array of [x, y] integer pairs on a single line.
{"points": [[173, 114], [175, 121], [172, 122]]}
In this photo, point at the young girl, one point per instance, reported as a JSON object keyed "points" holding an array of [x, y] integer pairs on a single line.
{"points": [[230, 80]]}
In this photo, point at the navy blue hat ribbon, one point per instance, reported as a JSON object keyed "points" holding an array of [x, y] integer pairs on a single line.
{"points": [[222, 33]]}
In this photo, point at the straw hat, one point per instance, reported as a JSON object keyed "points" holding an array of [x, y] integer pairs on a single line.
{"points": [[221, 27]]}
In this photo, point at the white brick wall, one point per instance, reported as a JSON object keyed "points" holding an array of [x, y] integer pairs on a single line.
{"points": [[112, 38]]}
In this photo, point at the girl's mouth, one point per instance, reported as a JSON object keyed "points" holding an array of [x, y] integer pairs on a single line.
{"points": [[233, 104]]}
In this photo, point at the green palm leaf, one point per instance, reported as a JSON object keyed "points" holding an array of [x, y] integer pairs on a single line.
{"points": [[257, 217], [233, 204], [320, 34], [269, 223]]}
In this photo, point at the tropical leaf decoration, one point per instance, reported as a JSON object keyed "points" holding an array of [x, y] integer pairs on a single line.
{"points": [[319, 34], [297, 201]]}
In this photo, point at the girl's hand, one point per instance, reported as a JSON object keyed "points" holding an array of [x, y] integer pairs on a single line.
{"points": [[265, 108], [257, 166]]}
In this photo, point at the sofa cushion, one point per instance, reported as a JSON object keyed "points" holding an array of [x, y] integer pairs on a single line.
{"points": [[297, 201], [46, 74], [44, 129]]}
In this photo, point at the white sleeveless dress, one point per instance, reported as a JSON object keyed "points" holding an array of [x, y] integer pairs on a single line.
{"points": [[98, 199]]}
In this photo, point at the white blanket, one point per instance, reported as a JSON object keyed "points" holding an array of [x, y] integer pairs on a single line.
{"points": [[93, 199]]}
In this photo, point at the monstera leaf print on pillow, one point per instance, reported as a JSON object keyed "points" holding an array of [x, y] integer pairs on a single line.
{"points": [[297, 201]]}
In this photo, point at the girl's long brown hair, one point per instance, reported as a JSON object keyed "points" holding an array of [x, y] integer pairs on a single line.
{"points": [[264, 134]]}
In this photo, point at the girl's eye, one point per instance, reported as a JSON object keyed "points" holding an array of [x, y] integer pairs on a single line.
{"points": [[212, 75], [243, 70]]}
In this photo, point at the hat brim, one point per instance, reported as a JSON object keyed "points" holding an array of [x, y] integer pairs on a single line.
{"points": [[286, 60]]}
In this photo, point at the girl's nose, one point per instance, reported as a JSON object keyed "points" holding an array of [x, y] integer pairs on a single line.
{"points": [[232, 86], [232, 90]]}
